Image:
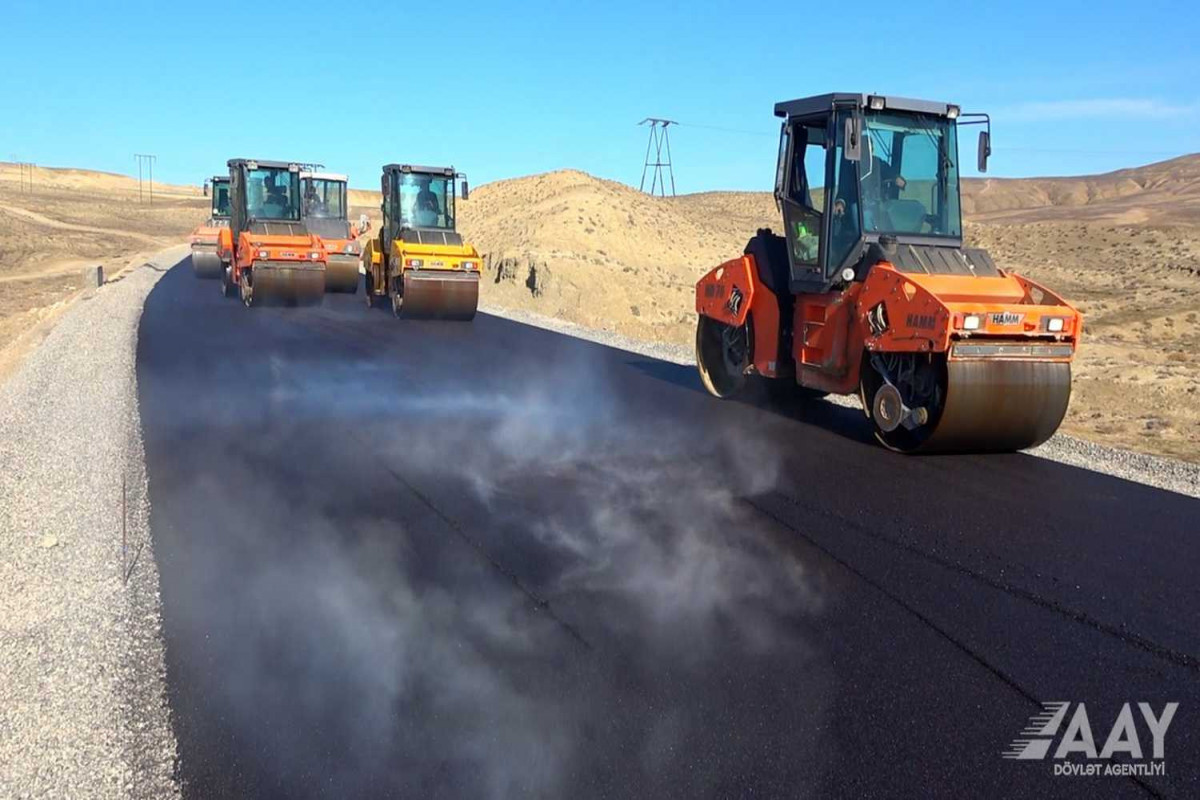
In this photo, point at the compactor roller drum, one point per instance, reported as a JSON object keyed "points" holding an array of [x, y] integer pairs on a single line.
{"points": [[419, 263], [206, 264], [722, 356], [341, 275], [978, 405], [439, 297], [269, 284], [870, 291]]}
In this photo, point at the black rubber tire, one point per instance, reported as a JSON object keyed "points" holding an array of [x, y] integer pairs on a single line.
{"points": [[225, 285], [369, 291], [246, 290]]}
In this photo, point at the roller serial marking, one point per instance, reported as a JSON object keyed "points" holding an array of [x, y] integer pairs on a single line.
{"points": [[926, 321]]}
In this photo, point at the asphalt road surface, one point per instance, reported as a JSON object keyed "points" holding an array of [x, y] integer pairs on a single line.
{"points": [[431, 559]]}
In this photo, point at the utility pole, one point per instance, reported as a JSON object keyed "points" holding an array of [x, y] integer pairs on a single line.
{"points": [[659, 140], [148, 161], [24, 174]]}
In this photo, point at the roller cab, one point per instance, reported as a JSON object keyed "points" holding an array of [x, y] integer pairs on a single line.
{"points": [[272, 256], [206, 262], [325, 210], [419, 263], [870, 290]]}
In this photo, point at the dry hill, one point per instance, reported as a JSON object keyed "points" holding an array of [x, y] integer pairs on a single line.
{"points": [[601, 253]]}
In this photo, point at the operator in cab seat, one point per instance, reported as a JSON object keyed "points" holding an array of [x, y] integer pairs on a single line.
{"points": [[428, 207], [275, 202], [883, 208]]}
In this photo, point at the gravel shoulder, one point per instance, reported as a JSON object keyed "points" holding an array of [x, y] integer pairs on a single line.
{"points": [[1163, 473], [83, 709]]}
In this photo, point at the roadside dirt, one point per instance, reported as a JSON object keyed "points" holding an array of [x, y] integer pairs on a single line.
{"points": [[69, 220]]}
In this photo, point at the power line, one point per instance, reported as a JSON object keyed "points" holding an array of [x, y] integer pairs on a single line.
{"points": [[741, 131], [659, 139]]}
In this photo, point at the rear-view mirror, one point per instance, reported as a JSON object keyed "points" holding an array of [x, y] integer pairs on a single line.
{"points": [[466, 191], [985, 150]]}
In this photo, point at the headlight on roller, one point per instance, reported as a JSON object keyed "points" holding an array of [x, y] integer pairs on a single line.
{"points": [[415, 263], [315, 255], [1055, 324], [971, 322], [264, 254], [470, 265]]}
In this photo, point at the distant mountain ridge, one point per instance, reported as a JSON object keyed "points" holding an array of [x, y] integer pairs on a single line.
{"points": [[1166, 192]]}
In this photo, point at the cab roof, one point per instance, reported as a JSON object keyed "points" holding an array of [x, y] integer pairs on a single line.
{"points": [[825, 103], [447, 171], [219, 179], [324, 176], [258, 162]]}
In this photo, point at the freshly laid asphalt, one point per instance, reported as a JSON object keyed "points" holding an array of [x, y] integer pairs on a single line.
{"points": [[442, 559]]}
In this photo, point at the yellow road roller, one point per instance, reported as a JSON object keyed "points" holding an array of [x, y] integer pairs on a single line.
{"points": [[419, 262]]}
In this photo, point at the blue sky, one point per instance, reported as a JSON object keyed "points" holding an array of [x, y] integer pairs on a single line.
{"points": [[505, 89]]}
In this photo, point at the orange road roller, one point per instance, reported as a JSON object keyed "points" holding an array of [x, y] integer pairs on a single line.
{"points": [[419, 261], [205, 261], [871, 291], [325, 210], [267, 253]]}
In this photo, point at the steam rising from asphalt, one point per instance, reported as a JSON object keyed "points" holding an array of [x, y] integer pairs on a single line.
{"points": [[560, 551]]}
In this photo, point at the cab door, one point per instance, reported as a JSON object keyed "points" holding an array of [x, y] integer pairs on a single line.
{"points": [[804, 162], [388, 210]]}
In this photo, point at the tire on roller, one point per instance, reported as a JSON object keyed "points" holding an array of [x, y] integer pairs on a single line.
{"points": [[288, 283], [341, 274], [206, 264], [446, 295], [369, 290], [722, 355], [991, 406], [228, 287]]}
